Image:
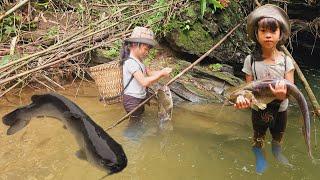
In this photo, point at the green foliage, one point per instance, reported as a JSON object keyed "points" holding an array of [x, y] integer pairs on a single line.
{"points": [[7, 58], [155, 19], [114, 51], [52, 32], [176, 70], [80, 8], [9, 26], [151, 56], [41, 5], [203, 6], [215, 67]]}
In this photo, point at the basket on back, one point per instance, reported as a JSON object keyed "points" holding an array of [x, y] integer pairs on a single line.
{"points": [[108, 78]]}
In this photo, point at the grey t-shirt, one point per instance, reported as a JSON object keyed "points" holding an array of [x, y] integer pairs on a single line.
{"points": [[269, 71], [134, 89]]}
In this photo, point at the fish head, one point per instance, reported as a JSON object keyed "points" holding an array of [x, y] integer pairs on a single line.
{"points": [[112, 167], [232, 97], [17, 120]]}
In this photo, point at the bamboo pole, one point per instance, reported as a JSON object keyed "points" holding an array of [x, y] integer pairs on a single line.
{"points": [[77, 39], [177, 76], [86, 28], [17, 6], [62, 60]]}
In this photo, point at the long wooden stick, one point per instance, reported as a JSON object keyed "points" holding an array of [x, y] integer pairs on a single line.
{"points": [[312, 97], [176, 77], [17, 6]]}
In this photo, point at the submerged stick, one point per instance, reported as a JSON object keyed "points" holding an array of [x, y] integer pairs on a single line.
{"points": [[177, 76]]}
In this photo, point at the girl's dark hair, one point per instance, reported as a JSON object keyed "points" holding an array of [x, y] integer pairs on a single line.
{"points": [[124, 52], [267, 23]]}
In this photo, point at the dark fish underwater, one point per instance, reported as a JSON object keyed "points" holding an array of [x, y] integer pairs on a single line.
{"points": [[260, 94], [96, 146]]}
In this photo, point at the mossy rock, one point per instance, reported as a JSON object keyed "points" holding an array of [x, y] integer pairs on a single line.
{"points": [[195, 41], [204, 33]]}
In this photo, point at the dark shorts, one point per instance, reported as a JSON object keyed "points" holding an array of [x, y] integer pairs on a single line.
{"points": [[269, 118], [130, 102]]}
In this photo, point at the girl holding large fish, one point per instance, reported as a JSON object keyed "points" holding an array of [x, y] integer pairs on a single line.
{"points": [[269, 27]]}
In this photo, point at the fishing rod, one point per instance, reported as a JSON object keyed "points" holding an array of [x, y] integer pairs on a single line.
{"points": [[177, 76]]}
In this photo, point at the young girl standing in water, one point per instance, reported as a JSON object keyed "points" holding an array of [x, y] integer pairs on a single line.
{"points": [[136, 77], [269, 27]]}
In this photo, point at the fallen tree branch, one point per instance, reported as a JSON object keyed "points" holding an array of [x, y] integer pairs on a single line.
{"points": [[17, 6], [62, 60], [78, 39]]}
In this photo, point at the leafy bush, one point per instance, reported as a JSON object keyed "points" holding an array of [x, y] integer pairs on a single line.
{"points": [[203, 6]]}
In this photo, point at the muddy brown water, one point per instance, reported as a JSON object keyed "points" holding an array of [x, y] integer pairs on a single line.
{"points": [[207, 142]]}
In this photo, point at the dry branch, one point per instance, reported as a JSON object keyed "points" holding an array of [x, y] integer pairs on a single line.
{"points": [[17, 6]]}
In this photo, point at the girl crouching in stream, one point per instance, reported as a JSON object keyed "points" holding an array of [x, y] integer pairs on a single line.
{"points": [[269, 27]]}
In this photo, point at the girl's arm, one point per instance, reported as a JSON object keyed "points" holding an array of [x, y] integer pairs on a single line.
{"points": [[151, 72], [147, 81]]}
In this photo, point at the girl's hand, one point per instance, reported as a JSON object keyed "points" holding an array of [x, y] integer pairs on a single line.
{"points": [[166, 71], [279, 90], [242, 102]]}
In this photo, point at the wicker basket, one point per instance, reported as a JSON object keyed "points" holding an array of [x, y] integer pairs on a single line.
{"points": [[108, 78]]}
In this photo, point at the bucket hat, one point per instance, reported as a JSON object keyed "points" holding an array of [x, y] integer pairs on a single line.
{"points": [[142, 35], [269, 11]]}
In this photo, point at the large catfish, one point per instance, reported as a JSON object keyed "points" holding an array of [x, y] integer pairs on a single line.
{"points": [[260, 94], [96, 146], [165, 107]]}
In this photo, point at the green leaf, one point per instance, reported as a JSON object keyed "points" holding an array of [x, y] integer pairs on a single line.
{"points": [[5, 59], [203, 6], [216, 4]]}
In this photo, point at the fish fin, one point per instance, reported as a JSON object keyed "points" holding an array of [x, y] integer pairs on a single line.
{"points": [[81, 155]]}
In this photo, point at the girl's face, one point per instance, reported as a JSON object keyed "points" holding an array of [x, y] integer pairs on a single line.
{"points": [[143, 51], [268, 34], [140, 50]]}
